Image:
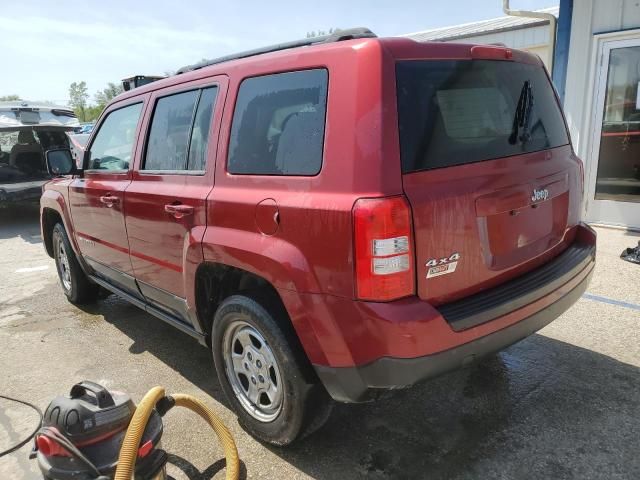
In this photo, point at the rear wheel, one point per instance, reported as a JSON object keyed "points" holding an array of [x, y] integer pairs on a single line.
{"points": [[75, 284], [262, 371]]}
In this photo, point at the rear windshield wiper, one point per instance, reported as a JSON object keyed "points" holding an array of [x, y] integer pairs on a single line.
{"points": [[522, 115]]}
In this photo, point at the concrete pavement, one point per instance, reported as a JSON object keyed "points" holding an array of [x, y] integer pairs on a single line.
{"points": [[562, 404]]}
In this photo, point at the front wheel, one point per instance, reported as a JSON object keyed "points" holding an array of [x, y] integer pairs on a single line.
{"points": [[263, 373], [75, 284]]}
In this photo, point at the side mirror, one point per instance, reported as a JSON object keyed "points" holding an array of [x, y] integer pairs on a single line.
{"points": [[60, 162]]}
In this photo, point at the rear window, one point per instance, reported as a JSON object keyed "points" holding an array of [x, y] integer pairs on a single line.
{"points": [[278, 124], [453, 112]]}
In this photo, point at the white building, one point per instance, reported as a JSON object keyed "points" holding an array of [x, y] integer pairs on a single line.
{"points": [[602, 103], [597, 74], [531, 34]]}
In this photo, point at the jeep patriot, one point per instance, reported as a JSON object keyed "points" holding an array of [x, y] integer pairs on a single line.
{"points": [[334, 218]]}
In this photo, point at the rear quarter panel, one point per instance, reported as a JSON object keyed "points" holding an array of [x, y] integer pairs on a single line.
{"points": [[311, 247]]}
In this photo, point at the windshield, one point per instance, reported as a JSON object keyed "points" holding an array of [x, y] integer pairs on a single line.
{"points": [[452, 112]]}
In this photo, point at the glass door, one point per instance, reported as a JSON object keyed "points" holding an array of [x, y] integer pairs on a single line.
{"points": [[615, 181]]}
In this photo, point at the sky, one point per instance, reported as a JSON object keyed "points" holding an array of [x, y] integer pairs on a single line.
{"points": [[48, 45]]}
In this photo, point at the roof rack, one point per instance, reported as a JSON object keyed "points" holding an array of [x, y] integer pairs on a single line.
{"points": [[339, 36]]}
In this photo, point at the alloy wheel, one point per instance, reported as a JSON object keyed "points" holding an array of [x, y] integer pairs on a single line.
{"points": [[252, 371]]}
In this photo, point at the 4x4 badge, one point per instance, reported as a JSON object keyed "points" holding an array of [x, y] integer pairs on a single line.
{"points": [[442, 266]]}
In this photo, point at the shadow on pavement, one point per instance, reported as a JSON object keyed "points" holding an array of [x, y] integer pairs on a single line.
{"points": [[541, 409], [21, 220], [149, 334], [192, 473]]}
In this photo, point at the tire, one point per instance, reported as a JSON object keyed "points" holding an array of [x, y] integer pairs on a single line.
{"points": [[296, 404], [75, 284]]}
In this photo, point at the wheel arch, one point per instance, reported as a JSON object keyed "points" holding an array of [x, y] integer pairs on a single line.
{"points": [[215, 282], [49, 217], [53, 209]]}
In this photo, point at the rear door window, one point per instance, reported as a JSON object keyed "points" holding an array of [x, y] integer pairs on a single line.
{"points": [[453, 112], [169, 136], [197, 158], [278, 124], [179, 133]]}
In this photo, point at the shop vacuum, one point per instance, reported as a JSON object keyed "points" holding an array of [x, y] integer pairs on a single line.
{"points": [[96, 434]]}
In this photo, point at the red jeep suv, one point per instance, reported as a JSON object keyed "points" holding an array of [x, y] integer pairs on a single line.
{"points": [[335, 217]]}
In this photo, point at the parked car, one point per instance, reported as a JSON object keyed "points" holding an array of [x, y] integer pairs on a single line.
{"points": [[334, 218], [84, 128], [27, 130]]}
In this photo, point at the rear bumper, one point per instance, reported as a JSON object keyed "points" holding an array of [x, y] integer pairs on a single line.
{"points": [[363, 383], [23, 191], [369, 380]]}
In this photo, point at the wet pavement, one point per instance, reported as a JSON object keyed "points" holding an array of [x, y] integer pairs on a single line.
{"points": [[563, 404]]}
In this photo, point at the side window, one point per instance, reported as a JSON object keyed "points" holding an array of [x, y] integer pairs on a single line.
{"points": [[113, 145], [200, 131], [179, 132], [169, 135], [278, 124]]}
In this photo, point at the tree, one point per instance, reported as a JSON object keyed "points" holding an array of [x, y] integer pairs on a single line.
{"points": [[78, 96], [9, 98], [107, 94], [93, 112], [321, 33]]}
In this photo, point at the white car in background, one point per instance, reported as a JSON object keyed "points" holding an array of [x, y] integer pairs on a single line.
{"points": [[27, 130]]}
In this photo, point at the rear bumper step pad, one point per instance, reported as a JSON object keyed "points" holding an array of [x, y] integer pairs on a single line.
{"points": [[516, 293]]}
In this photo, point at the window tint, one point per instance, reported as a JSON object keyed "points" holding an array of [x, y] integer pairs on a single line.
{"points": [[169, 134], [200, 131], [452, 112], [278, 124], [179, 132], [113, 145]]}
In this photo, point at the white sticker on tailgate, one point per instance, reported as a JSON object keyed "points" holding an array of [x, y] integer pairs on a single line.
{"points": [[442, 266], [442, 269]]}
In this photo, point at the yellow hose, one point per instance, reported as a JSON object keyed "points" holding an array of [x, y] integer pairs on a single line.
{"points": [[224, 436], [129, 449], [131, 442]]}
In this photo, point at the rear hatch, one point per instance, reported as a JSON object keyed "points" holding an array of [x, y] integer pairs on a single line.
{"points": [[488, 171]]}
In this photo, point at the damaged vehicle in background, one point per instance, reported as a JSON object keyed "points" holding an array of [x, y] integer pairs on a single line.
{"points": [[27, 130]]}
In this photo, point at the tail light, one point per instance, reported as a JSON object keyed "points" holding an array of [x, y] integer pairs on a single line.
{"points": [[384, 263], [491, 52]]}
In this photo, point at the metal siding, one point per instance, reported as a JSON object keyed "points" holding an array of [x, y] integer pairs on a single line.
{"points": [[482, 27], [607, 15], [528, 37], [590, 17], [578, 76], [631, 14]]}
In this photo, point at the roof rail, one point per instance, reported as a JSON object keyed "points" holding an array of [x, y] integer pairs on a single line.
{"points": [[340, 35]]}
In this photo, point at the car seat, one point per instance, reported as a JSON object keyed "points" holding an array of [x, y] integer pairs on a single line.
{"points": [[300, 140], [26, 155]]}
